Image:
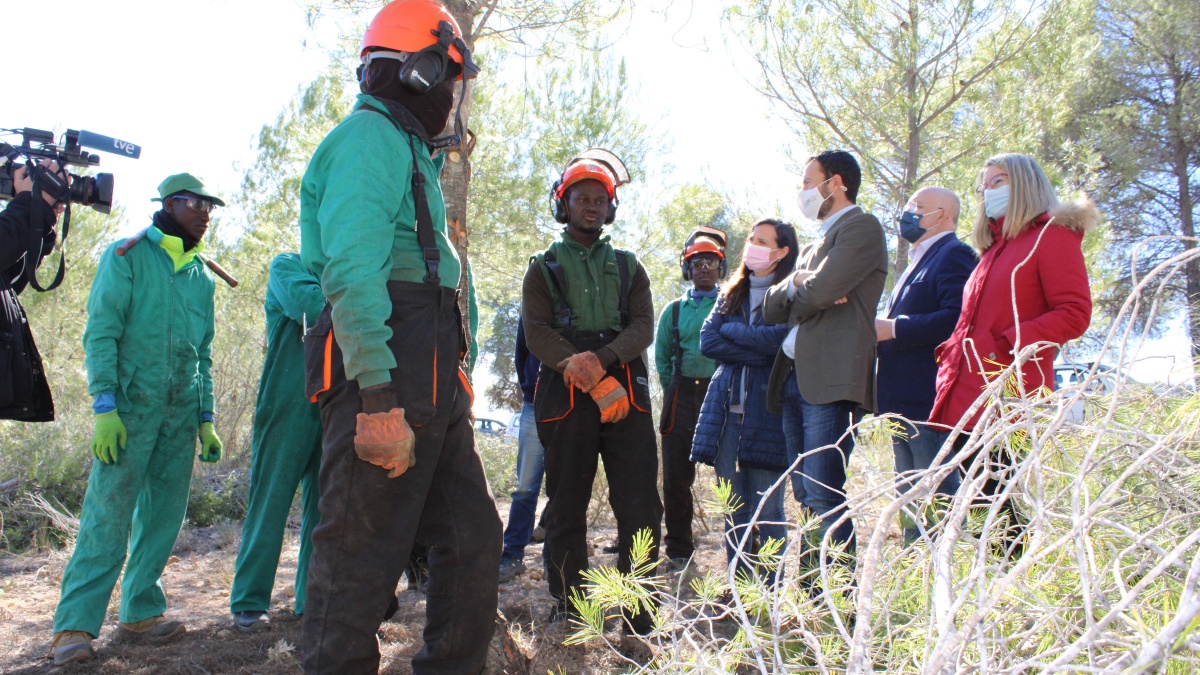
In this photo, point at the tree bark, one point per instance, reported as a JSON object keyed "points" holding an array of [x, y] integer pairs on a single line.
{"points": [[912, 158], [456, 173], [1188, 229]]}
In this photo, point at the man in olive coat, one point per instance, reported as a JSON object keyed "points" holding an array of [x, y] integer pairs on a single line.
{"points": [[824, 373]]}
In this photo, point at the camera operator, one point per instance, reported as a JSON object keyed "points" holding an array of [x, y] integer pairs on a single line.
{"points": [[24, 391]]}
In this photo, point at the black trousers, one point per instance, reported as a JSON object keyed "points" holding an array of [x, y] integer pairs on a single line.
{"points": [[369, 521], [678, 470], [575, 440]]}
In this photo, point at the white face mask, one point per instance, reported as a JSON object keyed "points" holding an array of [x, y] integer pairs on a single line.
{"points": [[995, 202], [810, 200]]}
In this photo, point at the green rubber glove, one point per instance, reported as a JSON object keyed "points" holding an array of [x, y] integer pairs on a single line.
{"points": [[108, 437], [210, 443]]}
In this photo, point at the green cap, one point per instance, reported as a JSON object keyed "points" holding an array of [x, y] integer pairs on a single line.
{"points": [[185, 182]]}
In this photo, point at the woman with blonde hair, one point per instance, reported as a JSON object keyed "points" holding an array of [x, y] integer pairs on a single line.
{"points": [[1030, 288]]}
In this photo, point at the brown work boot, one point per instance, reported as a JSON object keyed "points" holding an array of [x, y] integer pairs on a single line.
{"points": [[154, 629], [71, 646]]}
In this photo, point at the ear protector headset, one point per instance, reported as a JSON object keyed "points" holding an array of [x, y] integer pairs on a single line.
{"points": [[702, 242], [579, 170], [423, 70], [560, 206]]}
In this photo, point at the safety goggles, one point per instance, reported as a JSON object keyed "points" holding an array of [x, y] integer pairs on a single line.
{"points": [[197, 204], [705, 264]]}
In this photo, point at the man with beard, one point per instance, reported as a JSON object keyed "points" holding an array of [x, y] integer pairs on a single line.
{"points": [[147, 350], [588, 316], [824, 374], [399, 462]]}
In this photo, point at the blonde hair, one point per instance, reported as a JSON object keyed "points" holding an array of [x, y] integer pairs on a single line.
{"points": [[1030, 195]]}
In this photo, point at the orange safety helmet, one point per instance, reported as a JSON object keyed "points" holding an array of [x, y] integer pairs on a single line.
{"points": [[410, 26], [586, 169], [704, 245], [703, 240]]}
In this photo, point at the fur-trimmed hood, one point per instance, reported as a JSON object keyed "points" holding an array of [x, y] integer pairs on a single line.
{"points": [[1080, 215]]}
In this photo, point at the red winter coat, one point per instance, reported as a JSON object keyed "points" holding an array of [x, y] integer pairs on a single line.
{"points": [[1053, 304]]}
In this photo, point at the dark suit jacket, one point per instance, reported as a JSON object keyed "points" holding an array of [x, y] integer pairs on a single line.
{"points": [[835, 344], [925, 310]]}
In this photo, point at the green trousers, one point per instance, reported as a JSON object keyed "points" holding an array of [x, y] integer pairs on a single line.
{"points": [[135, 505], [286, 453]]}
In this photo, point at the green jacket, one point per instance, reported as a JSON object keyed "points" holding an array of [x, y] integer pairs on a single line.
{"points": [[358, 231], [150, 329], [692, 315], [472, 323], [293, 299], [593, 282]]}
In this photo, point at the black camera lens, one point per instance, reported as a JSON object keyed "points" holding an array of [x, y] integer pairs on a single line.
{"points": [[94, 191]]}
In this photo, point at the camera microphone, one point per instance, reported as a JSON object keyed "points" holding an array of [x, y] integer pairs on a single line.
{"points": [[96, 141]]}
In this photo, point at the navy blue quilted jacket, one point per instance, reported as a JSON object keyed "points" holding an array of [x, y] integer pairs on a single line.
{"points": [[742, 351]]}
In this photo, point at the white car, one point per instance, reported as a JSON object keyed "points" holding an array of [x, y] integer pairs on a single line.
{"points": [[1072, 374], [491, 427], [514, 425]]}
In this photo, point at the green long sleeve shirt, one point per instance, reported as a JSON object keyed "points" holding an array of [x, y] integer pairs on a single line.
{"points": [[692, 315], [358, 231]]}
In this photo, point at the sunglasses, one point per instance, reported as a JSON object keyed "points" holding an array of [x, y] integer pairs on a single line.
{"points": [[197, 204]]}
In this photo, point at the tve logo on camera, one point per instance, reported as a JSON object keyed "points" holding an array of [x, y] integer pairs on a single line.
{"points": [[109, 144]]}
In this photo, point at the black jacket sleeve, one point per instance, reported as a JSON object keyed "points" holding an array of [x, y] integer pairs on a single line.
{"points": [[15, 233]]}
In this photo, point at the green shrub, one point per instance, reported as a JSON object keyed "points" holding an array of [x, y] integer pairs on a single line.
{"points": [[499, 455], [217, 498]]}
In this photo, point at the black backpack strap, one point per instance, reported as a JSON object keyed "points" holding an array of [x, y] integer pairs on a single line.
{"points": [[426, 239], [623, 271], [430, 252], [677, 358], [558, 279]]}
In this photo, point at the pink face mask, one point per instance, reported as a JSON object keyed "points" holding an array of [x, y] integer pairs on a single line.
{"points": [[757, 258]]}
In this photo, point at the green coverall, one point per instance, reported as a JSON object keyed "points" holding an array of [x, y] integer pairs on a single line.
{"points": [[286, 449], [148, 340]]}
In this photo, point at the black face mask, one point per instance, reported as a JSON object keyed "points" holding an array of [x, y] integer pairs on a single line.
{"points": [[430, 109], [166, 223]]}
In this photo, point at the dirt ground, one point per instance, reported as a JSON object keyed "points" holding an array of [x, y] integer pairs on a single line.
{"points": [[198, 580]]}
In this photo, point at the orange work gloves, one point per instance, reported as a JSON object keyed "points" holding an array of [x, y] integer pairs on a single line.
{"points": [[582, 370], [612, 399], [382, 435]]}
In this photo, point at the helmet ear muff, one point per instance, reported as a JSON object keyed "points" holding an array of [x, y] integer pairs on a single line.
{"points": [[560, 206], [685, 267], [559, 203], [428, 68]]}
